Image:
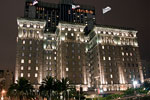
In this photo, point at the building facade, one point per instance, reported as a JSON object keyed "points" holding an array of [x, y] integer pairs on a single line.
{"points": [[106, 58], [6, 79], [146, 69], [29, 57], [71, 53], [113, 59]]}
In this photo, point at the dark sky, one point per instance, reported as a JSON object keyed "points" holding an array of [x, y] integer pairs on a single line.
{"points": [[125, 13]]}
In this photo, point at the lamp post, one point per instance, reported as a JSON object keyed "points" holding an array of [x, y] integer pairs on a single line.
{"points": [[68, 93], [3, 91]]}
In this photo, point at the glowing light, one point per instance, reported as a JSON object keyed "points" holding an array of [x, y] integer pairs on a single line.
{"points": [[41, 26], [21, 25], [81, 30], [34, 26], [28, 25], [69, 29], [62, 28], [75, 29], [135, 83], [63, 38]]}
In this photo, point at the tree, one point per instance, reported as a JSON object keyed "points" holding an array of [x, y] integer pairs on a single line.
{"points": [[146, 85], [64, 86], [47, 87], [21, 89]]}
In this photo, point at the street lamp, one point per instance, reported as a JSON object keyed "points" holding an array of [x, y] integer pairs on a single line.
{"points": [[68, 93], [3, 91]]}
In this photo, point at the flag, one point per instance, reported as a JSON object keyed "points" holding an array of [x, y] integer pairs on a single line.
{"points": [[75, 6], [107, 9], [35, 2]]}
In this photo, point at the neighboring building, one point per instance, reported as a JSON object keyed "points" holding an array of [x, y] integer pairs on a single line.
{"points": [[114, 60], [146, 69], [6, 79], [64, 11]]}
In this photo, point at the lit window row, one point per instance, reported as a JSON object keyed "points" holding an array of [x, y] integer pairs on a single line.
{"points": [[35, 75], [22, 61], [127, 54], [29, 68], [116, 33], [24, 42], [69, 29], [104, 58]]}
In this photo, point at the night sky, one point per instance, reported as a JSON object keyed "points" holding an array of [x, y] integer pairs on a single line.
{"points": [[124, 13]]}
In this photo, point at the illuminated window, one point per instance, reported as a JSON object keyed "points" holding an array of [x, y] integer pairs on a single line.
{"points": [[109, 33], [67, 69], [22, 67], [47, 57], [126, 54], [72, 34], [109, 58], [34, 26], [23, 41], [104, 32], [112, 82], [36, 75], [104, 58], [22, 61], [130, 54], [37, 68], [81, 30], [122, 59], [30, 42], [75, 29], [125, 70], [21, 74], [55, 53], [29, 61], [29, 68], [54, 58], [28, 74], [50, 63], [78, 57], [111, 76], [103, 47], [52, 38], [62, 28], [66, 34], [122, 53], [28, 25], [69, 29], [106, 82]]}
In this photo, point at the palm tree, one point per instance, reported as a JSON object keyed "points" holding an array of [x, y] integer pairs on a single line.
{"points": [[64, 86], [21, 89], [46, 87], [57, 89]]}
